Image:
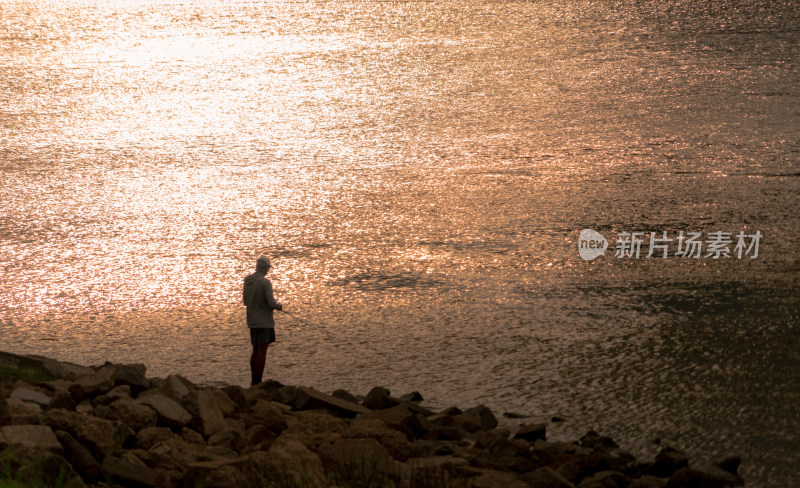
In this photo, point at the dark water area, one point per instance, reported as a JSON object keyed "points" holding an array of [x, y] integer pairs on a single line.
{"points": [[420, 174]]}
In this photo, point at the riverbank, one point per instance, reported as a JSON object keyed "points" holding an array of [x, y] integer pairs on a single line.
{"points": [[69, 425]]}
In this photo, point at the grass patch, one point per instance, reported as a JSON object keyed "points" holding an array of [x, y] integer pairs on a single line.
{"points": [[29, 374]]}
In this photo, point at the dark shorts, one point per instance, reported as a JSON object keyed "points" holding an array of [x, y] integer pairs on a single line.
{"points": [[263, 335]]}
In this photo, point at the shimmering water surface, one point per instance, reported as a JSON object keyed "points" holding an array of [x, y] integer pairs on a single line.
{"points": [[419, 172]]}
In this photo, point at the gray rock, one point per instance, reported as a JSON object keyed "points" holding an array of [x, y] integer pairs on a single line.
{"points": [[487, 419], [344, 395], [133, 376], [31, 396], [304, 398], [79, 457], [192, 436], [730, 464], [38, 437], [217, 452], [61, 369], [93, 384], [63, 400], [22, 412], [176, 387], [230, 438], [135, 415], [258, 434], [239, 397], [114, 394], [405, 420], [414, 396], [150, 436], [126, 473], [581, 465], [206, 412], [169, 412], [227, 406], [354, 454], [486, 439], [102, 437], [269, 415], [379, 398], [531, 432]]}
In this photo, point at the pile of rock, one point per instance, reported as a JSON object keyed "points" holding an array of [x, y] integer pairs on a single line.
{"points": [[111, 425]]}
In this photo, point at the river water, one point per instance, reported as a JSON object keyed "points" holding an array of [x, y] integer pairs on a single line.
{"points": [[419, 173]]}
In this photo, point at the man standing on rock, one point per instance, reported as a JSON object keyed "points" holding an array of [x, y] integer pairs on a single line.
{"points": [[260, 303]]}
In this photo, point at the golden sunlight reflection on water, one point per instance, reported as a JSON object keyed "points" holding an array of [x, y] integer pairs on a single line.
{"points": [[419, 173]]}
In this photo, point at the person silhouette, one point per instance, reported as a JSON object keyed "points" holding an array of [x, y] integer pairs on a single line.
{"points": [[260, 302]]}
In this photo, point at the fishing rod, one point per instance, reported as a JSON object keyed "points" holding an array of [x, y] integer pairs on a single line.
{"points": [[304, 321]]}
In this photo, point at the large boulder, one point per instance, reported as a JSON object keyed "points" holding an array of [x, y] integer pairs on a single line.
{"points": [[132, 375], [150, 436], [379, 398], [176, 387], [405, 419], [206, 413], [31, 396], [344, 395], [531, 432], [114, 394], [93, 384], [26, 466], [227, 406], [393, 440], [79, 457], [169, 412], [62, 369], [126, 473], [136, 415], [230, 438], [304, 398], [102, 437], [37, 437], [238, 396], [354, 455], [486, 418], [580, 466], [22, 412], [290, 461], [267, 413]]}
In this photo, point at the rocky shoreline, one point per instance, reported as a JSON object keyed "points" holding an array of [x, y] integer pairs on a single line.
{"points": [[111, 425]]}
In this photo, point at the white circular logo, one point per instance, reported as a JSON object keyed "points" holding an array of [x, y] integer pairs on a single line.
{"points": [[591, 244]]}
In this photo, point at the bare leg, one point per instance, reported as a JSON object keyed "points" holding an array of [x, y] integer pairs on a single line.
{"points": [[257, 362]]}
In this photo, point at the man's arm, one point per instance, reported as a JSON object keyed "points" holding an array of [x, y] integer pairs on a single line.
{"points": [[270, 297]]}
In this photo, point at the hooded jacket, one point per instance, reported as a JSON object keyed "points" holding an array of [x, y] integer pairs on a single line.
{"points": [[258, 298]]}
